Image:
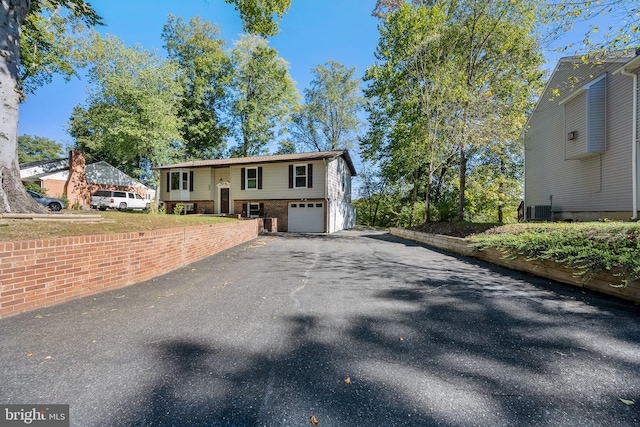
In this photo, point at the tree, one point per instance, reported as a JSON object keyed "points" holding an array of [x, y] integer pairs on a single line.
{"points": [[205, 73], [263, 94], [259, 16], [328, 120], [13, 13], [36, 148], [462, 73], [50, 38], [130, 116]]}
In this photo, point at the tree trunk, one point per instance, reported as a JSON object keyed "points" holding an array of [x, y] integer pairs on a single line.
{"points": [[414, 198], [13, 197], [463, 181], [427, 197]]}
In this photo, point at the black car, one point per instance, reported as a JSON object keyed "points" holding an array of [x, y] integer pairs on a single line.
{"points": [[52, 203]]}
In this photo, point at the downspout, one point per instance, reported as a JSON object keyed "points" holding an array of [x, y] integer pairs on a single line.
{"points": [[634, 143]]}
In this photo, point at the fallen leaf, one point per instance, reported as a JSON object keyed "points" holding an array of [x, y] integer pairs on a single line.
{"points": [[120, 296], [47, 358], [347, 380], [627, 401], [401, 339], [29, 354], [314, 420]]}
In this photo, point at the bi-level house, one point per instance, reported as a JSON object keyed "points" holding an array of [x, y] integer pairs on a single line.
{"points": [[305, 192], [581, 142]]}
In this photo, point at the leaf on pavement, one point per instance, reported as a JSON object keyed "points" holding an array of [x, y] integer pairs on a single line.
{"points": [[627, 401], [347, 380], [314, 420]]}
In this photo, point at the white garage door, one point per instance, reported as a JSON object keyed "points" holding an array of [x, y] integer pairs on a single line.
{"points": [[306, 217]]}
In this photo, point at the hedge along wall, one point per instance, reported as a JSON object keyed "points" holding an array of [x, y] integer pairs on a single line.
{"points": [[600, 282], [41, 273]]}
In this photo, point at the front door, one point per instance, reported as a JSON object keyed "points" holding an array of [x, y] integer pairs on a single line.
{"points": [[224, 200]]}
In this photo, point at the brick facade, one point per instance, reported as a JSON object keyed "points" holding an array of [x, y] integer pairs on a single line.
{"points": [[41, 273]]}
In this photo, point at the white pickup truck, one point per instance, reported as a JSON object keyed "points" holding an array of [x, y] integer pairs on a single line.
{"points": [[121, 200]]}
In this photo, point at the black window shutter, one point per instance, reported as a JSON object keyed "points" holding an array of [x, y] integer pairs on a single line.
{"points": [[310, 175], [259, 177], [190, 180], [290, 176], [242, 178], [244, 210], [262, 209], [168, 182]]}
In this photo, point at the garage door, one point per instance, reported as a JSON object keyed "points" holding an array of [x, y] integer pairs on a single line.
{"points": [[306, 217]]}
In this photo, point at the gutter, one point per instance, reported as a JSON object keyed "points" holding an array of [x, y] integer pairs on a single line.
{"points": [[634, 140]]}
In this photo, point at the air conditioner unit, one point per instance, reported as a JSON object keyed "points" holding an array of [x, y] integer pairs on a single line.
{"points": [[539, 213]]}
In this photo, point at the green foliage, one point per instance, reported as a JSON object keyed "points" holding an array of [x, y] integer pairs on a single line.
{"points": [[263, 94], [36, 148], [448, 97], [328, 120], [259, 16], [32, 186], [130, 116], [178, 209], [587, 247], [204, 74], [49, 40]]}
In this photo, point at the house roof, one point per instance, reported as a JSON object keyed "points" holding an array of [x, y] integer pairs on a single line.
{"points": [[277, 158], [96, 173], [104, 174], [614, 58]]}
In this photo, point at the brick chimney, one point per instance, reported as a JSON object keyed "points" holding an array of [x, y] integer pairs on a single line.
{"points": [[76, 187]]}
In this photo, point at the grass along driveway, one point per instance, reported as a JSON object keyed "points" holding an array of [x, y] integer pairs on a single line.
{"points": [[112, 222]]}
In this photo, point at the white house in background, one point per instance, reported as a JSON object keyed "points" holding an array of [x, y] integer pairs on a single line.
{"points": [[581, 142], [306, 192]]}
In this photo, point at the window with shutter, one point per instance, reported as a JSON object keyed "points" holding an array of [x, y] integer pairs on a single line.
{"points": [[300, 176]]}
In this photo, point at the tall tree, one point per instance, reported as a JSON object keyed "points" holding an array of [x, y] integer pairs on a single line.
{"points": [[13, 13], [205, 72], [263, 94], [130, 115], [258, 16], [328, 119], [36, 148], [466, 66]]}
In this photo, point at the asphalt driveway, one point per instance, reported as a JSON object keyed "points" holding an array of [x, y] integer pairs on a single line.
{"points": [[356, 329]]}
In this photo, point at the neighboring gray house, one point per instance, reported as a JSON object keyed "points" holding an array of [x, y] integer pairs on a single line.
{"points": [[306, 192], [581, 143], [77, 180]]}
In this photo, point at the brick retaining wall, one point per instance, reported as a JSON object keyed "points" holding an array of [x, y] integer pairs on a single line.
{"points": [[41, 273]]}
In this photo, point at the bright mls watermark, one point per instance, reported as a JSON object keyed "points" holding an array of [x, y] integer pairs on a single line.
{"points": [[34, 415]]}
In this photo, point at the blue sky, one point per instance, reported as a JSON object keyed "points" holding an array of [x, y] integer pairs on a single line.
{"points": [[312, 32]]}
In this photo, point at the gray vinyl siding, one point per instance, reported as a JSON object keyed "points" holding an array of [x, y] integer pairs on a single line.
{"points": [[275, 183], [596, 117], [553, 166], [575, 120]]}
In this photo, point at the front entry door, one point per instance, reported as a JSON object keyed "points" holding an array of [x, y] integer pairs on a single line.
{"points": [[224, 200]]}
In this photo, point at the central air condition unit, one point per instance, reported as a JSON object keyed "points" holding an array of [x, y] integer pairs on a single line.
{"points": [[539, 213]]}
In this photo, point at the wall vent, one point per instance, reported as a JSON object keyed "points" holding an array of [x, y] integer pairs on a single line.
{"points": [[539, 213]]}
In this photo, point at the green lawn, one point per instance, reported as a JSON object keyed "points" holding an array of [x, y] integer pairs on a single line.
{"points": [[112, 222]]}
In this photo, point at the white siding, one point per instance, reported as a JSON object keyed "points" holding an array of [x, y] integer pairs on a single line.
{"points": [[601, 183], [341, 212], [275, 183]]}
